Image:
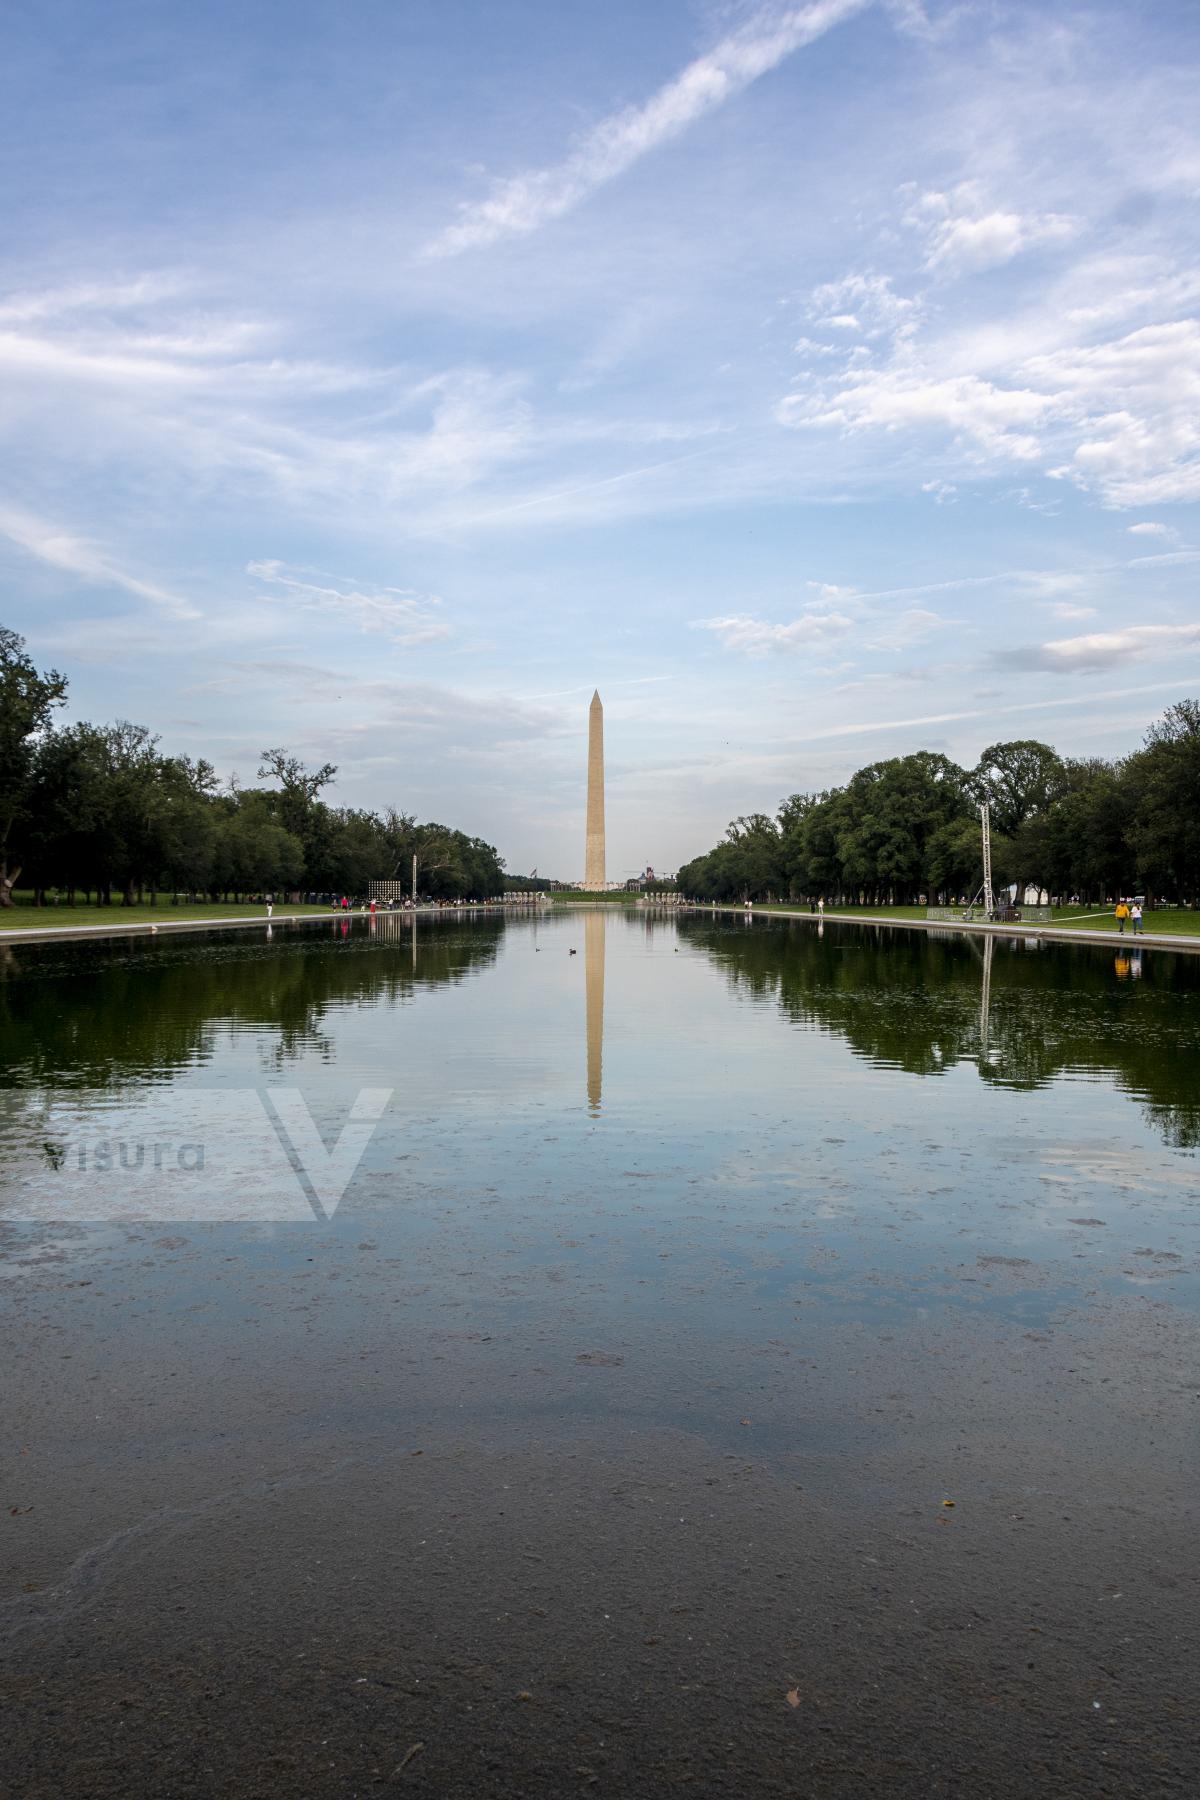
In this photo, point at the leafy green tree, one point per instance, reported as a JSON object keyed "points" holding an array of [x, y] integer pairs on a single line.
{"points": [[1164, 782], [755, 842], [814, 848], [1018, 779], [955, 857], [188, 827], [909, 825], [27, 703], [894, 813], [253, 852], [1080, 844], [299, 785]]}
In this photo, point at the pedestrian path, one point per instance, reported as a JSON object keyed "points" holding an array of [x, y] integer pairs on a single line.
{"points": [[20, 934], [1061, 934]]}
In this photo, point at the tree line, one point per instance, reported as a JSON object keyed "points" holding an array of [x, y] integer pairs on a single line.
{"points": [[149, 1010], [103, 809], [915, 1001], [908, 828]]}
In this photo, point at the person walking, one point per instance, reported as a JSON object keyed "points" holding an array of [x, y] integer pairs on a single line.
{"points": [[270, 904], [1121, 916], [1135, 918]]}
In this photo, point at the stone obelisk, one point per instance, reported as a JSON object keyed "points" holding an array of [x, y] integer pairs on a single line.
{"points": [[593, 876]]}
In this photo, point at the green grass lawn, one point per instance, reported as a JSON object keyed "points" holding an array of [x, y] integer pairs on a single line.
{"points": [[27, 917], [843, 912], [1170, 921]]}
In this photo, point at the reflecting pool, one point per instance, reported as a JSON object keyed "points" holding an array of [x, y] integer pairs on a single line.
{"points": [[604, 1349]]}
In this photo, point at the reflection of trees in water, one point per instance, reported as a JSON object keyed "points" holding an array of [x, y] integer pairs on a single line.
{"points": [[914, 1001], [87, 1014]]}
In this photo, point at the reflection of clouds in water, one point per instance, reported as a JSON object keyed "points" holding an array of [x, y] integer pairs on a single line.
{"points": [[1108, 1166], [40, 1252], [188, 1154]]}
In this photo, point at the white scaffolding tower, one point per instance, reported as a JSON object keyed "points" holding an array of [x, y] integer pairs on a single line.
{"points": [[985, 819]]}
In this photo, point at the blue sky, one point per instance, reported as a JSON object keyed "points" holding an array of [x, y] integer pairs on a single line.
{"points": [[822, 382]]}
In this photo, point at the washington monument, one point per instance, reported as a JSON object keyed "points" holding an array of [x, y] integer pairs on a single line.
{"points": [[593, 878]]}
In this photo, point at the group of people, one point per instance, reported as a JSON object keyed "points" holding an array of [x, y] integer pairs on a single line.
{"points": [[346, 905], [1129, 912]]}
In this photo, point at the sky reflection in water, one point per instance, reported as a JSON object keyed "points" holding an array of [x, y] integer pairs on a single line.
{"points": [[745, 1116]]}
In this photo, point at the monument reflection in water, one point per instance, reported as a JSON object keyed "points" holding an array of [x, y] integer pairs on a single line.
{"points": [[593, 950]]}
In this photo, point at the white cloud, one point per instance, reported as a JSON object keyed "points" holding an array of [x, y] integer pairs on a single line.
{"points": [[1102, 649], [974, 411], [837, 612], [89, 297], [1109, 290], [1136, 400], [1152, 529], [405, 617], [521, 204], [866, 304], [1067, 609], [963, 237], [912, 626], [910, 17], [1124, 414], [59, 549], [759, 637], [1166, 559]]}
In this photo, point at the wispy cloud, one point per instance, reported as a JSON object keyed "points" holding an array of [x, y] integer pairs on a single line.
{"points": [[1067, 609], [1101, 649], [1134, 398], [405, 617], [760, 637], [964, 234], [77, 556], [1123, 410], [837, 614], [976, 412], [865, 304], [89, 297], [869, 727], [578, 447], [521, 204], [1167, 559]]}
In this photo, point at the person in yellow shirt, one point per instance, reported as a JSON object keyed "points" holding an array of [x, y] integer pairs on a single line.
{"points": [[1122, 916]]}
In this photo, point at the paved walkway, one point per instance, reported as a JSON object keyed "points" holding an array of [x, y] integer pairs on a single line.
{"points": [[159, 928], [1060, 934]]}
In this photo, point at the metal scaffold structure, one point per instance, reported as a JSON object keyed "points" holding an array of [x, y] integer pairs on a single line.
{"points": [[985, 819], [985, 898]]}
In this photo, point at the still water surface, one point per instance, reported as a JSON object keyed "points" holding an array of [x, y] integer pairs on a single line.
{"points": [[870, 1219], [759, 1071]]}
